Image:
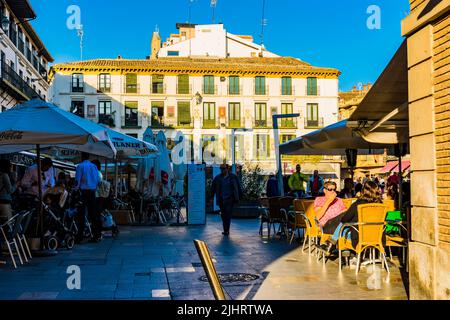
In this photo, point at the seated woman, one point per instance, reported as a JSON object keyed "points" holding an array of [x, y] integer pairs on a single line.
{"points": [[370, 193], [329, 206]]}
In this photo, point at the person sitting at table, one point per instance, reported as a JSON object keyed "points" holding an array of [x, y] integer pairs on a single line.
{"points": [[370, 193], [56, 196], [330, 205]]}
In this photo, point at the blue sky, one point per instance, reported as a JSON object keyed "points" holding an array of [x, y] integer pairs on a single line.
{"points": [[326, 33]]}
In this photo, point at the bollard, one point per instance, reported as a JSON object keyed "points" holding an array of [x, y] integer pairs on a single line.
{"points": [[210, 270]]}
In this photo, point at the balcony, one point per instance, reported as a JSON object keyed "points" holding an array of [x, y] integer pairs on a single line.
{"points": [[261, 124], [288, 123], [158, 88], [104, 89], [107, 119], [184, 124], [287, 91], [233, 91], [311, 94], [210, 90], [261, 91], [210, 123], [235, 124], [132, 122], [19, 87], [313, 124], [158, 122], [184, 89], [131, 88]]}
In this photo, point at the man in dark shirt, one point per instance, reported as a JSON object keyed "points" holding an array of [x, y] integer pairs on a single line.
{"points": [[272, 187], [228, 191]]}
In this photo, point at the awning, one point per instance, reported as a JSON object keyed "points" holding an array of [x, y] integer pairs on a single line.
{"points": [[331, 140], [382, 116], [389, 167], [406, 164]]}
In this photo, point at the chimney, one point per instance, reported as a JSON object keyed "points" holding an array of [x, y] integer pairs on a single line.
{"points": [[354, 88], [156, 45], [119, 57]]}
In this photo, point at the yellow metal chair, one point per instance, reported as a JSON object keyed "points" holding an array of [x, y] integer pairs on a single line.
{"points": [[285, 204], [370, 228], [264, 206], [348, 202], [390, 204], [312, 233]]}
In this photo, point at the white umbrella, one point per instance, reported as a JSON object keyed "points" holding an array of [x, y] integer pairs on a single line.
{"points": [[146, 164], [128, 147], [179, 167], [163, 168], [37, 124], [40, 123]]}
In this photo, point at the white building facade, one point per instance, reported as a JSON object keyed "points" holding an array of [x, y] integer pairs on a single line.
{"points": [[23, 56], [206, 98]]}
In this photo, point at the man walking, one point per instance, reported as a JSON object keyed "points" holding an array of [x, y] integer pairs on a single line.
{"points": [[87, 180], [228, 191], [315, 184], [296, 182]]}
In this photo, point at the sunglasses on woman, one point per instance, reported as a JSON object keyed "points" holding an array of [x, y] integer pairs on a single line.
{"points": [[332, 189]]}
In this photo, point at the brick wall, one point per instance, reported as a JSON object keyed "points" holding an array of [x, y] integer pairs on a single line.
{"points": [[441, 62]]}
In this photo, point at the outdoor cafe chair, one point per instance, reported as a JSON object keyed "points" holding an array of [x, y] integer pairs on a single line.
{"points": [[285, 203], [390, 204], [296, 221], [26, 219], [9, 232], [348, 202], [275, 215], [370, 229], [264, 206], [396, 235], [313, 232]]}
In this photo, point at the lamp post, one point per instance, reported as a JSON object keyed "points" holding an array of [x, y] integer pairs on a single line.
{"points": [[275, 118], [233, 147]]}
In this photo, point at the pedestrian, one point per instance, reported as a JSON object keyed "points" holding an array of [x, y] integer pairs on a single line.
{"points": [[103, 189], [393, 179], [29, 182], [296, 182], [7, 188], [315, 184], [348, 191], [272, 187], [87, 181], [228, 192]]}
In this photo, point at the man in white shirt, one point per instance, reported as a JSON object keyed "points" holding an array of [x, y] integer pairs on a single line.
{"points": [[29, 182]]}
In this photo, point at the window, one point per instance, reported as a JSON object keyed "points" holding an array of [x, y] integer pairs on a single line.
{"points": [[131, 114], [208, 84], [287, 108], [286, 137], [104, 113], [12, 31], [183, 84], [234, 114], [311, 86], [157, 83], [21, 44], [312, 115], [239, 150], [157, 113], [77, 107], [262, 146], [260, 85], [104, 82], [21, 74], [260, 115], [131, 83], [286, 86], [233, 85], [77, 82], [173, 53], [184, 113], [209, 115]]}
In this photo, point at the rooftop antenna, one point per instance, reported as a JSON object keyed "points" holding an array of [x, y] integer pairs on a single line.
{"points": [[80, 33], [213, 6], [263, 23]]}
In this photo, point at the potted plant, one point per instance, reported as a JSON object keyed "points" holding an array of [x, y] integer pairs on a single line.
{"points": [[253, 185]]}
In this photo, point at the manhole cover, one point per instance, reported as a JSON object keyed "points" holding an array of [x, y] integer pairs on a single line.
{"points": [[234, 277]]}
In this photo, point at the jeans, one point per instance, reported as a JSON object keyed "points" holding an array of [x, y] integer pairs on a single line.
{"points": [[346, 233], [226, 211], [299, 193]]}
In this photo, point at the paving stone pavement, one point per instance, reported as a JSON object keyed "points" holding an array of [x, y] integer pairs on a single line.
{"points": [[161, 263]]}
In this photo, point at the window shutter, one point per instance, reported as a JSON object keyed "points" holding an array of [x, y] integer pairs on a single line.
{"points": [[183, 84], [268, 146], [131, 79], [184, 112], [131, 104]]}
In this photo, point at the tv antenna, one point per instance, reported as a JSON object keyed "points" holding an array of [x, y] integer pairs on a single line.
{"points": [[80, 33], [213, 6], [263, 22]]}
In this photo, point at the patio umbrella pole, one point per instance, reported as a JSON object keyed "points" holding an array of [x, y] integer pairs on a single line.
{"points": [[116, 173], [400, 172]]}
